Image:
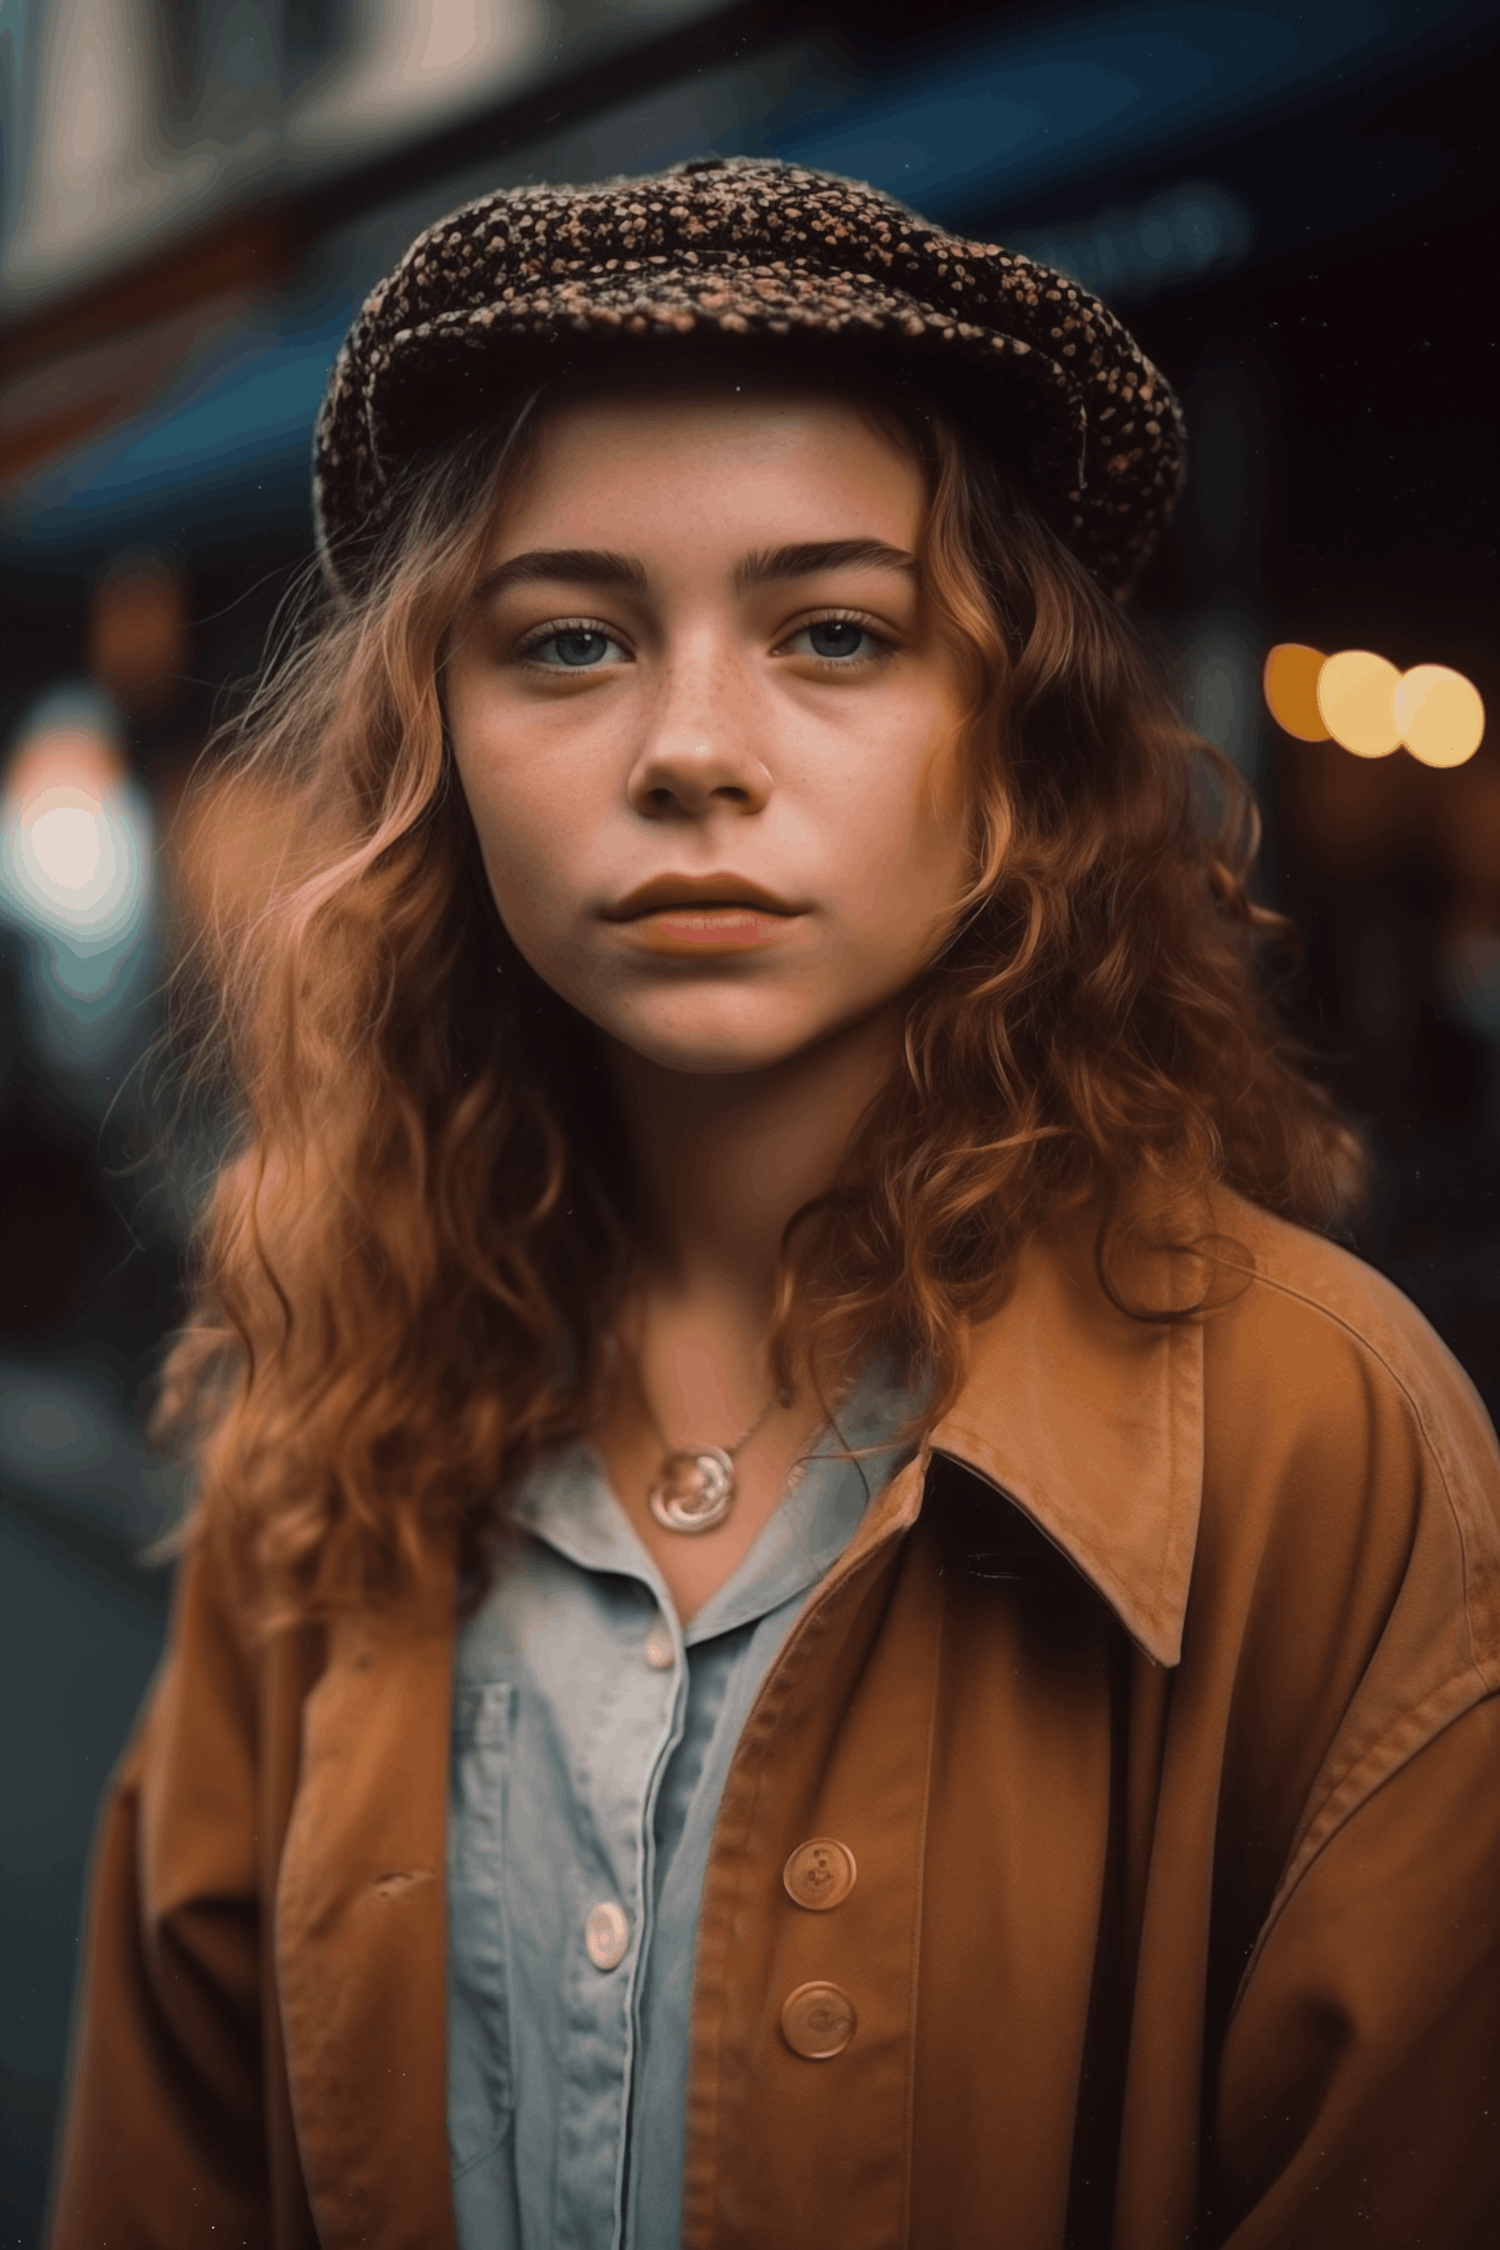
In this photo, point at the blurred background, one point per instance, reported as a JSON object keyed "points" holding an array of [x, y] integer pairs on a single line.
{"points": [[1287, 202]]}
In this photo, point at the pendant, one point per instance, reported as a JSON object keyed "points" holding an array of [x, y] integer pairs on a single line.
{"points": [[694, 1489]]}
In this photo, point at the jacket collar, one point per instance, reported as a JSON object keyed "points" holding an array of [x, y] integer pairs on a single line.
{"points": [[1092, 1423]]}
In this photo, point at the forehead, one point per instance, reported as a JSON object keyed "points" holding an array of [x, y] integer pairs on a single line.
{"points": [[719, 452]]}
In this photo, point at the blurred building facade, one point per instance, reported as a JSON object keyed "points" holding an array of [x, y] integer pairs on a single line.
{"points": [[1287, 203]]}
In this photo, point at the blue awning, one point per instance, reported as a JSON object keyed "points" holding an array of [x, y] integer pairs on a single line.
{"points": [[1002, 117]]}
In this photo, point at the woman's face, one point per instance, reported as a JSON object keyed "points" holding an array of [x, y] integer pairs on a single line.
{"points": [[706, 729]]}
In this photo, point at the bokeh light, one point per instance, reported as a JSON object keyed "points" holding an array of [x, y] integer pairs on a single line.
{"points": [[1362, 702], [1440, 714], [70, 865], [138, 629], [1290, 680], [76, 851], [1357, 702]]}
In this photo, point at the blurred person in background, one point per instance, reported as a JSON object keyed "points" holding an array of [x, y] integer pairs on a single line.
{"points": [[817, 1608]]}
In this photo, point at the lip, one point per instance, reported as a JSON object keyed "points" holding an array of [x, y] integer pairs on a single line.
{"points": [[692, 894], [704, 914]]}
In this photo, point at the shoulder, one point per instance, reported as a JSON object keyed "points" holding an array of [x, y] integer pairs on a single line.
{"points": [[1316, 1319], [1339, 1423]]}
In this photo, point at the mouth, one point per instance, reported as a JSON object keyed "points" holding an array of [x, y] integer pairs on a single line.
{"points": [[700, 894], [706, 913]]}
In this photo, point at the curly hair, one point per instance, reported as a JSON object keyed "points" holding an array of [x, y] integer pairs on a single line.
{"points": [[407, 1264]]}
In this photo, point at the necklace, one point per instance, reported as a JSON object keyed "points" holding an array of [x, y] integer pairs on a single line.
{"points": [[694, 1488]]}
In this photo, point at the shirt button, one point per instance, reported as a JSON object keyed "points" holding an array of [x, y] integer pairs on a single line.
{"points": [[820, 1873], [817, 2020], [658, 1652], [606, 1934]]}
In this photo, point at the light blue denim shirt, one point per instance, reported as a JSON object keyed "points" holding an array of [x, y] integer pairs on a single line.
{"points": [[591, 1740]]}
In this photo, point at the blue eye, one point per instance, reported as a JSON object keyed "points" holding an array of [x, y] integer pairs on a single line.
{"points": [[840, 640], [835, 636], [578, 648]]}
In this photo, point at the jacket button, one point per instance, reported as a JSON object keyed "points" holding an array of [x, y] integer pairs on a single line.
{"points": [[820, 1873], [817, 2020], [606, 1934], [658, 1651]]}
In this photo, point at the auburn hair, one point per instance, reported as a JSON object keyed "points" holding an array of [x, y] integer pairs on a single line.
{"points": [[408, 1257]]}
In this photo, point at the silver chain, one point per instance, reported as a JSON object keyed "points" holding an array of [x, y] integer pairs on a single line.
{"points": [[761, 1419], [694, 1489]]}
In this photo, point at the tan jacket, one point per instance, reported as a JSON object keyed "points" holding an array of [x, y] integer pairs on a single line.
{"points": [[1157, 1707]]}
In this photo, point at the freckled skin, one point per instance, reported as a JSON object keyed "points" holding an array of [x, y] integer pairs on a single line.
{"points": [[706, 733]]}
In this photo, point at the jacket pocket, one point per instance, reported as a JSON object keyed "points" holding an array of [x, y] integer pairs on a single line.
{"points": [[480, 2086]]}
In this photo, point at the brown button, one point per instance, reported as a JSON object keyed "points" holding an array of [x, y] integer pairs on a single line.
{"points": [[817, 2021], [820, 1873]]}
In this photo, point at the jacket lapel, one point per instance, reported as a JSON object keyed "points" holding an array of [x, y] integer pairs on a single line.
{"points": [[1092, 1423]]}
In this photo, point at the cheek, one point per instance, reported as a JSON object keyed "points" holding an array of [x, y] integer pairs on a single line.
{"points": [[903, 830], [533, 874], [526, 811]]}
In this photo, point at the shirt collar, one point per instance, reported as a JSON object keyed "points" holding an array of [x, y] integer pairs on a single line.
{"points": [[1089, 1421], [1092, 1423], [566, 1502], [822, 1512]]}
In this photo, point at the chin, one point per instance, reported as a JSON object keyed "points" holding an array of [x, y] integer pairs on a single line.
{"points": [[711, 1058], [710, 1047]]}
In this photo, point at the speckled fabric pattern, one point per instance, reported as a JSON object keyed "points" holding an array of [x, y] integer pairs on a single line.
{"points": [[489, 299]]}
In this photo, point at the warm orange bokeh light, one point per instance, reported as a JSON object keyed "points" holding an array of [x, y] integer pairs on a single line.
{"points": [[1440, 714], [138, 631], [1291, 687], [1362, 702], [1357, 702]]}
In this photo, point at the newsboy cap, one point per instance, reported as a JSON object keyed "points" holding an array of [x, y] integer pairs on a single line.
{"points": [[526, 283]]}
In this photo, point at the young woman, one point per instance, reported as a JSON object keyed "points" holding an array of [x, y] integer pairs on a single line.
{"points": [[817, 1611]]}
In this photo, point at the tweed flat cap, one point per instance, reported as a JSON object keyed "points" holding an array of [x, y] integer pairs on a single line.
{"points": [[509, 289]]}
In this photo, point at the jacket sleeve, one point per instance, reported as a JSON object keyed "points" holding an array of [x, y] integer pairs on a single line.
{"points": [[1359, 2093], [164, 2141]]}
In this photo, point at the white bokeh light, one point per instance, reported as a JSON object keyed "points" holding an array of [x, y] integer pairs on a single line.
{"points": [[76, 849], [68, 846], [75, 860]]}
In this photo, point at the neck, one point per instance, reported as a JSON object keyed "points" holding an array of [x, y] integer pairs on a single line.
{"points": [[722, 1164], [725, 1161]]}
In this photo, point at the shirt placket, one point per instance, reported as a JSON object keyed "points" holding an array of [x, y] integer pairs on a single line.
{"points": [[637, 1725]]}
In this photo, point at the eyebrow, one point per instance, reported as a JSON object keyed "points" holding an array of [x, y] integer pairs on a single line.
{"points": [[591, 566], [807, 560], [574, 566]]}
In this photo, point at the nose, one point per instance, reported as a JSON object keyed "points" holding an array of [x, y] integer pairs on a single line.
{"points": [[697, 756]]}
